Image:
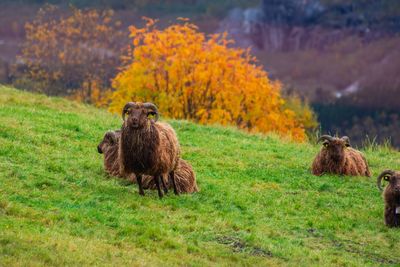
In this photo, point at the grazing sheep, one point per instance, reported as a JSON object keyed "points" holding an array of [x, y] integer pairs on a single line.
{"points": [[147, 146], [338, 157], [391, 196], [184, 174]]}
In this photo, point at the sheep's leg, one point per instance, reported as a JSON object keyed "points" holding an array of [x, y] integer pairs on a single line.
{"points": [[164, 185], [172, 179], [390, 216], [139, 181], [157, 179], [396, 218]]}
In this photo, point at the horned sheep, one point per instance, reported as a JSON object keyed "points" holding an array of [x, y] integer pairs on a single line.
{"points": [[184, 174], [338, 157], [147, 147], [391, 196]]}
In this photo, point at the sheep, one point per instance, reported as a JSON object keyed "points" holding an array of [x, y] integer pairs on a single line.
{"points": [[184, 174], [109, 147], [338, 157], [185, 179], [391, 197], [147, 146]]}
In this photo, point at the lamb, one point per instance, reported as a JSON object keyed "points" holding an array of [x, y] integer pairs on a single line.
{"points": [[338, 157], [391, 197], [147, 147], [184, 174], [109, 147]]}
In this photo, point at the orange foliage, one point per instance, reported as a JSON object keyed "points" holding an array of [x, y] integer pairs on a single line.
{"points": [[202, 79], [66, 54]]}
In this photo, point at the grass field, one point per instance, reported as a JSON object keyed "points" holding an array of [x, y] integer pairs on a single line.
{"points": [[258, 205]]}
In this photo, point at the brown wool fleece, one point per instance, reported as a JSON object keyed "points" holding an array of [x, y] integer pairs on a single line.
{"points": [[184, 174], [147, 147], [185, 179], [337, 157], [109, 148], [152, 150], [391, 196]]}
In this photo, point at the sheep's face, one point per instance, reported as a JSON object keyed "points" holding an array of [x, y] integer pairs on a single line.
{"points": [[136, 115], [109, 139], [394, 182], [392, 190], [336, 148]]}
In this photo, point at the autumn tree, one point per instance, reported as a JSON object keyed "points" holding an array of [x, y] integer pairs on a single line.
{"points": [[204, 79], [75, 53]]}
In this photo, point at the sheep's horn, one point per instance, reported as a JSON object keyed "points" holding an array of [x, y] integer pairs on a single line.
{"points": [[325, 137], [346, 139], [126, 107], [153, 109], [379, 179]]}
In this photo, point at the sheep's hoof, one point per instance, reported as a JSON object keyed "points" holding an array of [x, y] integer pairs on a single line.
{"points": [[141, 193]]}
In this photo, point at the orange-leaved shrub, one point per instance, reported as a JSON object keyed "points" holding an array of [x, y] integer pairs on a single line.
{"points": [[203, 79]]}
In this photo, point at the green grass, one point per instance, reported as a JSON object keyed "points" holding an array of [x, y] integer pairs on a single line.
{"points": [[258, 205]]}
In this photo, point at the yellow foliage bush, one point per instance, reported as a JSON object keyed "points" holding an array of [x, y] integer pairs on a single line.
{"points": [[304, 114], [204, 79]]}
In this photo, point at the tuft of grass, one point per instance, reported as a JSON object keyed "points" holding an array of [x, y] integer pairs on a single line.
{"points": [[258, 204]]}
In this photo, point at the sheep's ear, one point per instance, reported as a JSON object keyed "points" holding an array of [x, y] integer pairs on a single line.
{"points": [[154, 114], [111, 136]]}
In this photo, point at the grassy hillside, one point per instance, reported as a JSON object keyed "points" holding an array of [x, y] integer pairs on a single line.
{"points": [[258, 203]]}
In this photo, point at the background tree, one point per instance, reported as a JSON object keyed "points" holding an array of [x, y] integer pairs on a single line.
{"points": [[76, 54], [202, 79]]}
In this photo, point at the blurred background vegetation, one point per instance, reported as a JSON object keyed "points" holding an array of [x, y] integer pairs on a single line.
{"points": [[341, 58]]}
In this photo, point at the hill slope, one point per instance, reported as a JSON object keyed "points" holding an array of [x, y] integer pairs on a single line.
{"points": [[258, 202]]}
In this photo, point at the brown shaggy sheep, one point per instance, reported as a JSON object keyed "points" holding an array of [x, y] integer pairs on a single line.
{"points": [[147, 147], [184, 174], [109, 147], [338, 157], [391, 196]]}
